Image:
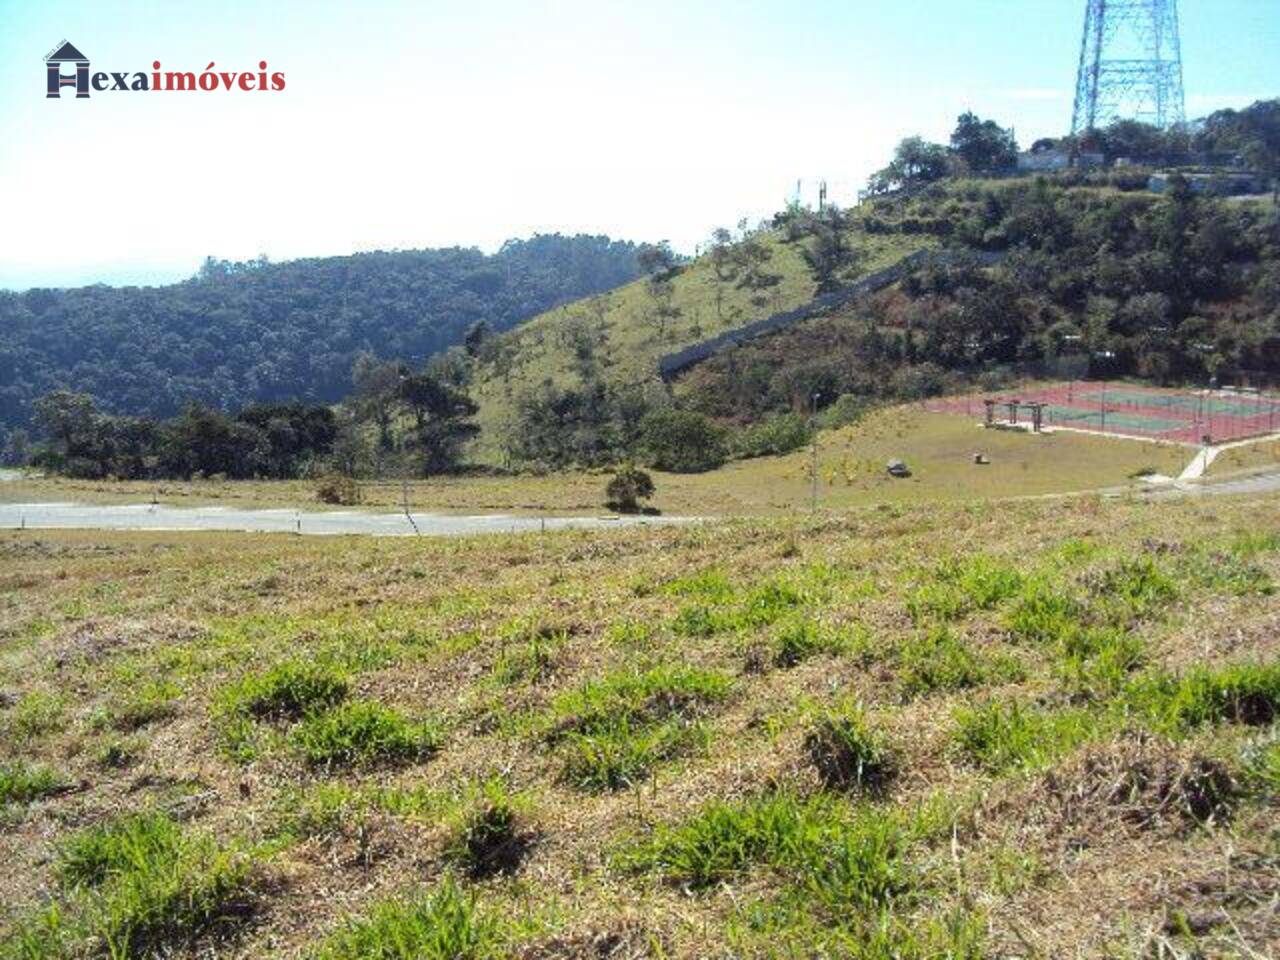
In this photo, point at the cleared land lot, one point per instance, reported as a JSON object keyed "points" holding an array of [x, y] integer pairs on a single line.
{"points": [[964, 730]]}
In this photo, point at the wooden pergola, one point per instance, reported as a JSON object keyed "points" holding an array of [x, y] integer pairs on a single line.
{"points": [[1015, 406]]}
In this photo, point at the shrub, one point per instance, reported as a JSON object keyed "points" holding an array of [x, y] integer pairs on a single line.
{"points": [[847, 751], [776, 436], [681, 441], [627, 487], [364, 732], [338, 488], [442, 925]]}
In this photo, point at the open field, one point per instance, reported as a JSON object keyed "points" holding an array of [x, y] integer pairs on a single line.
{"points": [[1036, 728], [851, 472]]}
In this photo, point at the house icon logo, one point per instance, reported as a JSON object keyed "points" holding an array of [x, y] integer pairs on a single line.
{"points": [[66, 53]]}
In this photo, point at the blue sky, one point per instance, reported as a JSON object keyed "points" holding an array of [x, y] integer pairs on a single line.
{"points": [[434, 123]]}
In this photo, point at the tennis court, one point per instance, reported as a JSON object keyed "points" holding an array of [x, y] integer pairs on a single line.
{"points": [[1179, 416]]}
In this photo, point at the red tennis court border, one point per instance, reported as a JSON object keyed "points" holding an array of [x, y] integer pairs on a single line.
{"points": [[1178, 416]]}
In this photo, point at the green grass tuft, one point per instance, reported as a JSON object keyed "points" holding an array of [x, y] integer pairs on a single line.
{"points": [[287, 691], [1043, 615], [362, 732], [838, 860], [1176, 705], [21, 783], [800, 640], [938, 660], [848, 751], [960, 587], [621, 753], [444, 924], [486, 837], [137, 886], [614, 730], [1005, 736]]}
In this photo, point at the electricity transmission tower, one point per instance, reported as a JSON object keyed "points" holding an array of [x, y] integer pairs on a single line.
{"points": [[1130, 65]]}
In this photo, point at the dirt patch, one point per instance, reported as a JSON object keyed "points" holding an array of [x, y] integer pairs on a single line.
{"points": [[629, 942], [1135, 785], [95, 640]]}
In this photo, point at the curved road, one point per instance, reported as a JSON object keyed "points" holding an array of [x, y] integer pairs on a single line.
{"points": [[145, 516]]}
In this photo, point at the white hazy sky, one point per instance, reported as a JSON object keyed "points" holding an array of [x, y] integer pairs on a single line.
{"points": [[436, 122]]}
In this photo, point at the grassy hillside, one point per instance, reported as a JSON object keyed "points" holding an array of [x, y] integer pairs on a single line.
{"points": [[1024, 729], [616, 336]]}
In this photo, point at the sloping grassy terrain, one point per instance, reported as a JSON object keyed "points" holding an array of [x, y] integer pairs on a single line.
{"points": [[619, 336], [939, 449], [1035, 729]]}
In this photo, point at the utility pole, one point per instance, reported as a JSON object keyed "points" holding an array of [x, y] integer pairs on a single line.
{"points": [[813, 425]]}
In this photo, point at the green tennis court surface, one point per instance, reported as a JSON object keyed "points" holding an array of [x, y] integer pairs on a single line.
{"points": [[1112, 420], [1191, 405]]}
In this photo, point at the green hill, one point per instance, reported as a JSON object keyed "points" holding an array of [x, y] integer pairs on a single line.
{"points": [[242, 333], [618, 337]]}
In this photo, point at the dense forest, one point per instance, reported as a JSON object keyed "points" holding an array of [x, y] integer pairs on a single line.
{"points": [[256, 332]]}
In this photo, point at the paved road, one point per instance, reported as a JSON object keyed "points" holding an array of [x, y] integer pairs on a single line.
{"points": [[80, 516], [1257, 484]]}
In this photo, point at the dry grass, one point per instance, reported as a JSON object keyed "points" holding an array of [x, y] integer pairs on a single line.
{"points": [[501, 641], [851, 472]]}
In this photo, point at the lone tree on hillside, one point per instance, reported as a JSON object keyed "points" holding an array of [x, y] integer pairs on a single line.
{"points": [[657, 259], [441, 420], [983, 145]]}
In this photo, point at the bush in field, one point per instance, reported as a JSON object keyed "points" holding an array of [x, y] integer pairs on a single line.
{"points": [[627, 488], [339, 489]]}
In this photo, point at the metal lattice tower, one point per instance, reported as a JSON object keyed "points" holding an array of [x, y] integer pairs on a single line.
{"points": [[1130, 65]]}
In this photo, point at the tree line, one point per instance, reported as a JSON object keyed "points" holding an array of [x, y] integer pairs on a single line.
{"points": [[260, 332], [983, 148]]}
